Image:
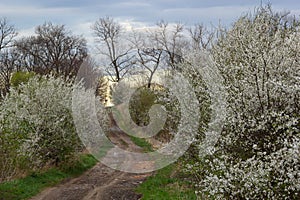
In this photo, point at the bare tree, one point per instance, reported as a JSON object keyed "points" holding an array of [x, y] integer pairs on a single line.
{"points": [[201, 37], [108, 33], [171, 40], [7, 60], [150, 59], [53, 49], [161, 47], [7, 34], [148, 56]]}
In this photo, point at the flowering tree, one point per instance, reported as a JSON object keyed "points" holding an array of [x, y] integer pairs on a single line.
{"points": [[36, 125], [258, 153]]}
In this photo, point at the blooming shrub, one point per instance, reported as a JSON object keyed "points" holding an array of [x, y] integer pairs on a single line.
{"points": [[273, 175], [36, 125], [257, 155]]}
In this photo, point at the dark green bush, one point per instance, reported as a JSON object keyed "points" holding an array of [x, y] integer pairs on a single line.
{"points": [[20, 77]]}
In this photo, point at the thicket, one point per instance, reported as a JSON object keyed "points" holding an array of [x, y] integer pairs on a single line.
{"points": [[257, 155], [36, 126]]}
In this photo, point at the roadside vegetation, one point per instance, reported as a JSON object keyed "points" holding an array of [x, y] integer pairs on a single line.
{"points": [[168, 184], [35, 182], [141, 142], [245, 145]]}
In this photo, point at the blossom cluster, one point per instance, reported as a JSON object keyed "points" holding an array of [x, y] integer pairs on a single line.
{"points": [[36, 125], [257, 154]]}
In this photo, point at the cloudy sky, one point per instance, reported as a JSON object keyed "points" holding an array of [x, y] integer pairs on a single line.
{"points": [[78, 15]]}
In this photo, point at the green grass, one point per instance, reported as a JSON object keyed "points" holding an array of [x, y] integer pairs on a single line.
{"points": [[147, 147], [33, 184], [163, 186]]}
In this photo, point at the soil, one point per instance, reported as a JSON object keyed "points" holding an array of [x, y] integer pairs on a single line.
{"points": [[100, 182]]}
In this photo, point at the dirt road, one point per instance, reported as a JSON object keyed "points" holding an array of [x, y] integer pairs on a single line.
{"points": [[100, 182]]}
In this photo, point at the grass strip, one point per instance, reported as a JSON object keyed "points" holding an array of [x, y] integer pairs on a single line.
{"points": [[141, 142], [163, 185], [34, 183]]}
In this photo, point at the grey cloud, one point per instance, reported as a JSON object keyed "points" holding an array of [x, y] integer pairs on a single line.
{"points": [[29, 13]]}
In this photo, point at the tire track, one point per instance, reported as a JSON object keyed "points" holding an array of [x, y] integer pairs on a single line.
{"points": [[101, 182]]}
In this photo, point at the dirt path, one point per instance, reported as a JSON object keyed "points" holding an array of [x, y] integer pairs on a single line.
{"points": [[100, 182]]}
